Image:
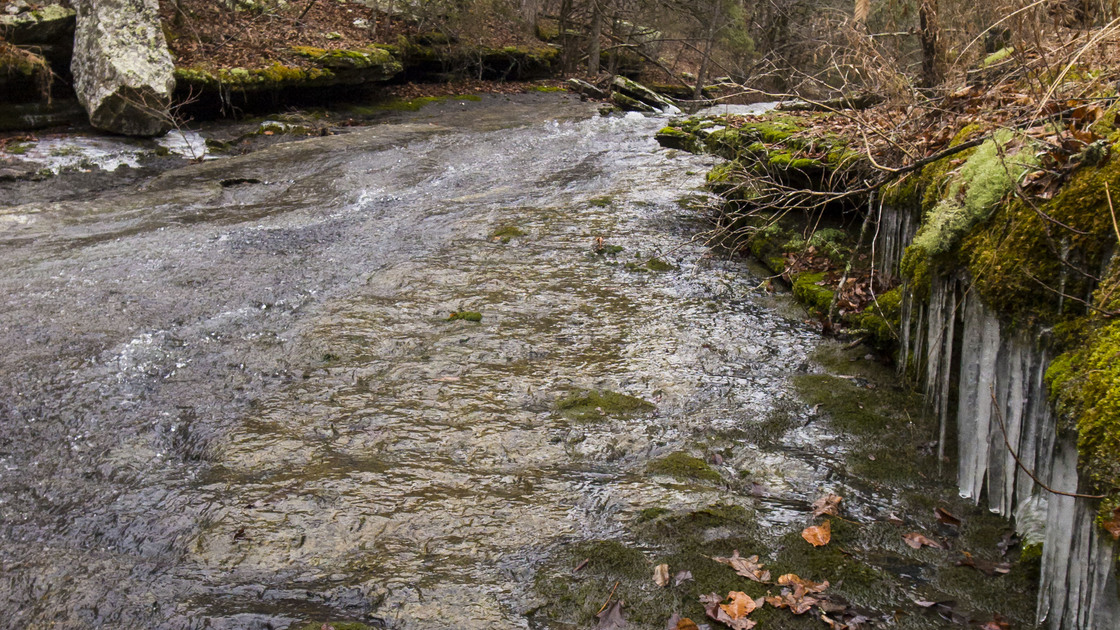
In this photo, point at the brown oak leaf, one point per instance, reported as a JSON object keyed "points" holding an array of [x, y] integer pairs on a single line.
{"points": [[828, 504], [746, 567], [818, 535]]}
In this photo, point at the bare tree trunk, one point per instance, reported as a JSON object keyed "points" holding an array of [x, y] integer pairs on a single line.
{"points": [[612, 56], [566, 43], [530, 11], [713, 30], [594, 57], [929, 33]]}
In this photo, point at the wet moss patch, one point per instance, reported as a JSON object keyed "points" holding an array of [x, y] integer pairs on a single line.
{"points": [[466, 316], [506, 234], [684, 467], [810, 290], [596, 405], [652, 264]]}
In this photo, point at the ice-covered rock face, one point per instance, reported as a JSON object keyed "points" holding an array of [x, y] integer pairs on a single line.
{"points": [[122, 68], [951, 335]]}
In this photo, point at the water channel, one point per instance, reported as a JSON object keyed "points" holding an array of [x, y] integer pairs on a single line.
{"points": [[231, 395]]}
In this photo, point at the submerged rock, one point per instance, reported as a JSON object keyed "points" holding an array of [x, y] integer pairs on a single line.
{"points": [[122, 68]]}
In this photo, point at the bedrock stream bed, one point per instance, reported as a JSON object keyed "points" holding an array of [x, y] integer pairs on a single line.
{"points": [[246, 405]]}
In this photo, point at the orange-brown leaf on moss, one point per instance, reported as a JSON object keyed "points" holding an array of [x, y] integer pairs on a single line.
{"points": [[828, 504], [800, 584], [719, 612], [661, 575], [741, 605], [818, 535], [683, 623], [746, 567]]}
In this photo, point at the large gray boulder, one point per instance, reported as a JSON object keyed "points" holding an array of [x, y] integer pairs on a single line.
{"points": [[123, 73]]}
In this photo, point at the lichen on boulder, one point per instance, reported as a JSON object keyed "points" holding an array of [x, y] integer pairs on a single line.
{"points": [[122, 68]]}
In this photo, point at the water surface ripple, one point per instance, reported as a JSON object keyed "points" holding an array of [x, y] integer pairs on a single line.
{"points": [[242, 406]]}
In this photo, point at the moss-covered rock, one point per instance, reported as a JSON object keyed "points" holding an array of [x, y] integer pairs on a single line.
{"points": [[809, 289], [684, 467], [1085, 385], [596, 405], [380, 60]]}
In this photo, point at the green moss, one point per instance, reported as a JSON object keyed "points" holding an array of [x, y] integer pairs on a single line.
{"points": [[808, 290], [673, 138], [1017, 249], [985, 179], [275, 76], [22, 62], [882, 318], [466, 316], [610, 250], [17, 148], [684, 467], [1000, 55], [915, 268], [727, 179], [548, 88], [602, 202], [576, 597], [652, 514], [790, 161], [653, 264], [1085, 384], [901, 193], [593, 405], [968, 132], [507, 233]]}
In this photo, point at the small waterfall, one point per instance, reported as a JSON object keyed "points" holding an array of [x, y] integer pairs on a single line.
{"points": [[950, 337]]}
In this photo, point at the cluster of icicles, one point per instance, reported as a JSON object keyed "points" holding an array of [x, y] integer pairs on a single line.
{"points": [[987, 379]]}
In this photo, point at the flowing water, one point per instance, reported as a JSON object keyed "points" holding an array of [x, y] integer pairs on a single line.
{"points": [[232, 398]]}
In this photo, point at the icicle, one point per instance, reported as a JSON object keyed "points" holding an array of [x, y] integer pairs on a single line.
{"points": [[947, 374]]}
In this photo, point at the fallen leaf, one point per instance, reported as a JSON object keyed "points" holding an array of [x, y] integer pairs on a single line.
{"points": [[715, 610], [1112, 525], [661, 575], [998, 623], [894, 519], [612, 618], [828, 504], [801, 584], [741, 605], [917, 541], [944, 516], [818, 535], [746, 567], [682, 577], [676, 622], [984, 566]]}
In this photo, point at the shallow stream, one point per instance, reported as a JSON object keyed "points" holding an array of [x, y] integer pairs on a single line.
{"points": [[232, 397]]}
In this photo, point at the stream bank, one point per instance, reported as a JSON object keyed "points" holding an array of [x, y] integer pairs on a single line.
{"points": [[989, 278]]}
